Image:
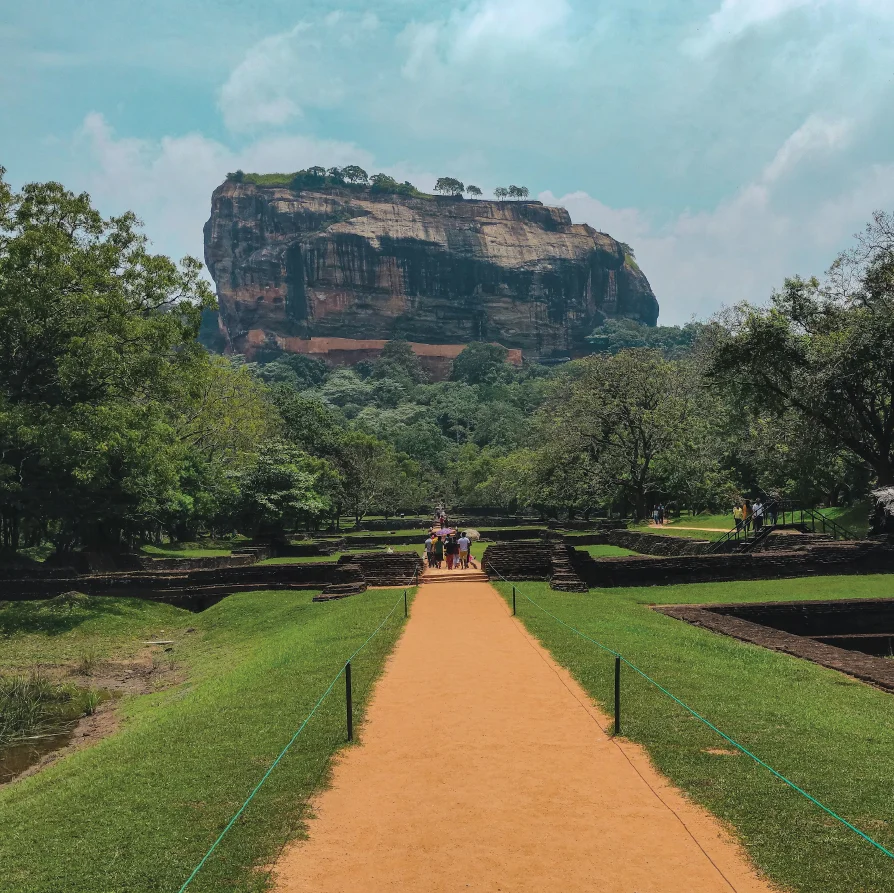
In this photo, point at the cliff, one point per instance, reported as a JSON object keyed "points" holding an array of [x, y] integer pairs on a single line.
{"points": [[338, 271]]}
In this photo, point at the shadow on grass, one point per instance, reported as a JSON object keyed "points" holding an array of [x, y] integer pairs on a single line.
{"points": [[59, 615]]}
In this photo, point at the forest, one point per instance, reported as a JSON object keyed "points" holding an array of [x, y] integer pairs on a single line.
{"points": [[117, 427]]}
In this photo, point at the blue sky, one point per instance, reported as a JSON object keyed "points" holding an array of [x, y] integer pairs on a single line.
{"points": [[731, 142]]}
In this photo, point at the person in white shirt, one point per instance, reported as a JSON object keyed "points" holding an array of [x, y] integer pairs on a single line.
{"points": [[465, 544], [757, 510]]}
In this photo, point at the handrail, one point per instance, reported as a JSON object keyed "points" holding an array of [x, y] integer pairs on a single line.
{"points": [[783, 508]]}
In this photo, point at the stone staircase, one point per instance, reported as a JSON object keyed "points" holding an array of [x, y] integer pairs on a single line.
{"points": [[349, 580], [564, 577]]}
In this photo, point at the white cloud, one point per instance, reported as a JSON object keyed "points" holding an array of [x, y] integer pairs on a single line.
{"points": [[283, 73], [817, 135], [169, 182], [745, 247], [736, 17], [485, 30]]}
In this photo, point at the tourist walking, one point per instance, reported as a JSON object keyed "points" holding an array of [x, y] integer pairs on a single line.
{"points": [[660, 513], [465, 545], [746, 514], [429, 556], [438, 551], [451, 550], [655, 515], [737, 516]]}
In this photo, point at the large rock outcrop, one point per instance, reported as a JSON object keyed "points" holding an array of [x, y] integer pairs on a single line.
{"points": [[338, 271]]}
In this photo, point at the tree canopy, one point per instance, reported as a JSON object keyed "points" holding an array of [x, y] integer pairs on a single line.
{"points": [[449, 186], [117, 426]]}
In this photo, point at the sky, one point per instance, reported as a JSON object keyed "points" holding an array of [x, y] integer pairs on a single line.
{"points": [[732, 143]]}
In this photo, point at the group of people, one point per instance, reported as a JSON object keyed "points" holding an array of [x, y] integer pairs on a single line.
{"points": [[451, 549], [658, 514], [756, 513]]}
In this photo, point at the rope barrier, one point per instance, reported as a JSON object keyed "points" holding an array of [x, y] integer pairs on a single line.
{"points": [[285, 750], [701, 719]]}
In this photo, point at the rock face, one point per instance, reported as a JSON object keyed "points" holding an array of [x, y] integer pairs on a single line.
{"points": [[338, 271]]}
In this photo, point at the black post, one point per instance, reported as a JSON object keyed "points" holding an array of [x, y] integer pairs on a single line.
{"points": [[349, 701], [618, 695], [406, 612], [513, 601]]}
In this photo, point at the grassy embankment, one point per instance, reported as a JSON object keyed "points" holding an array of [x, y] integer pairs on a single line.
{"points": [[138, 810], [828, 733]]}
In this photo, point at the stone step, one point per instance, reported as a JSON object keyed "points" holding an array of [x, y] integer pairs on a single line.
{"points": [[431, 579]]}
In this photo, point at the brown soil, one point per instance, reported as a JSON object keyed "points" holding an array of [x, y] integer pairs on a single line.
{"points": [[485, 766]]}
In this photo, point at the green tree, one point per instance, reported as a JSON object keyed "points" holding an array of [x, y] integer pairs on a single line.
{"points": [[625, 415], [473, 191], [822, 351], [366, 467], [477, 362], [354, 174], [501, 193], [449, 186], [399, 361], [97, 338], [281, 490]]}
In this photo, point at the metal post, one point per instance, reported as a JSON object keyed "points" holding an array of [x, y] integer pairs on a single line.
{"points": [[618, 695], [349, 701], [513, 601], [406, 611]]}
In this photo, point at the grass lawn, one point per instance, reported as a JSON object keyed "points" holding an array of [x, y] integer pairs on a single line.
{"points": [[828, 733], [853, 517], [188, 550], [64, 631], [138, 810], [605, 551], [671, 530]]}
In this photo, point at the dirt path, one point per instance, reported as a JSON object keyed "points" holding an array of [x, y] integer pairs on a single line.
{"points": [[483, 766]]}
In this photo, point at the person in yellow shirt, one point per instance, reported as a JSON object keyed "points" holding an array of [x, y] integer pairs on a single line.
{"points": [[737, 516]]}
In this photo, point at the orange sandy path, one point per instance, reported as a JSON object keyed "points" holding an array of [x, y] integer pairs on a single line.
{"points": [[484, 766]]}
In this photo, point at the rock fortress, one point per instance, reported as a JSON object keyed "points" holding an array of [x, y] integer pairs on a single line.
{"points": [[335, 272]]}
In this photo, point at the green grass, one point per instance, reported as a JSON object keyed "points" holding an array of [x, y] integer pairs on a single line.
{"points": [[827, 732], [853, 517], [670, 530], [188, 550], [66, 630], [34, 706], [137, 811], [724, 521], [606, 551]]}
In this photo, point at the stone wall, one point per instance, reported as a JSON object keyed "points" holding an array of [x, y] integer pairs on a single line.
{"points": [[655, 543], [875, 670], [518, 561], [837, 558]]}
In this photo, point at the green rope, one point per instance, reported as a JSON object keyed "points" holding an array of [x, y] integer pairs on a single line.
{"points": [[702, 719], [283, 752]]}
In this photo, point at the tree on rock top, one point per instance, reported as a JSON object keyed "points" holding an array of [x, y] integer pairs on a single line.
{"points": [[473, 191], [449, 186], [354, 174]]}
